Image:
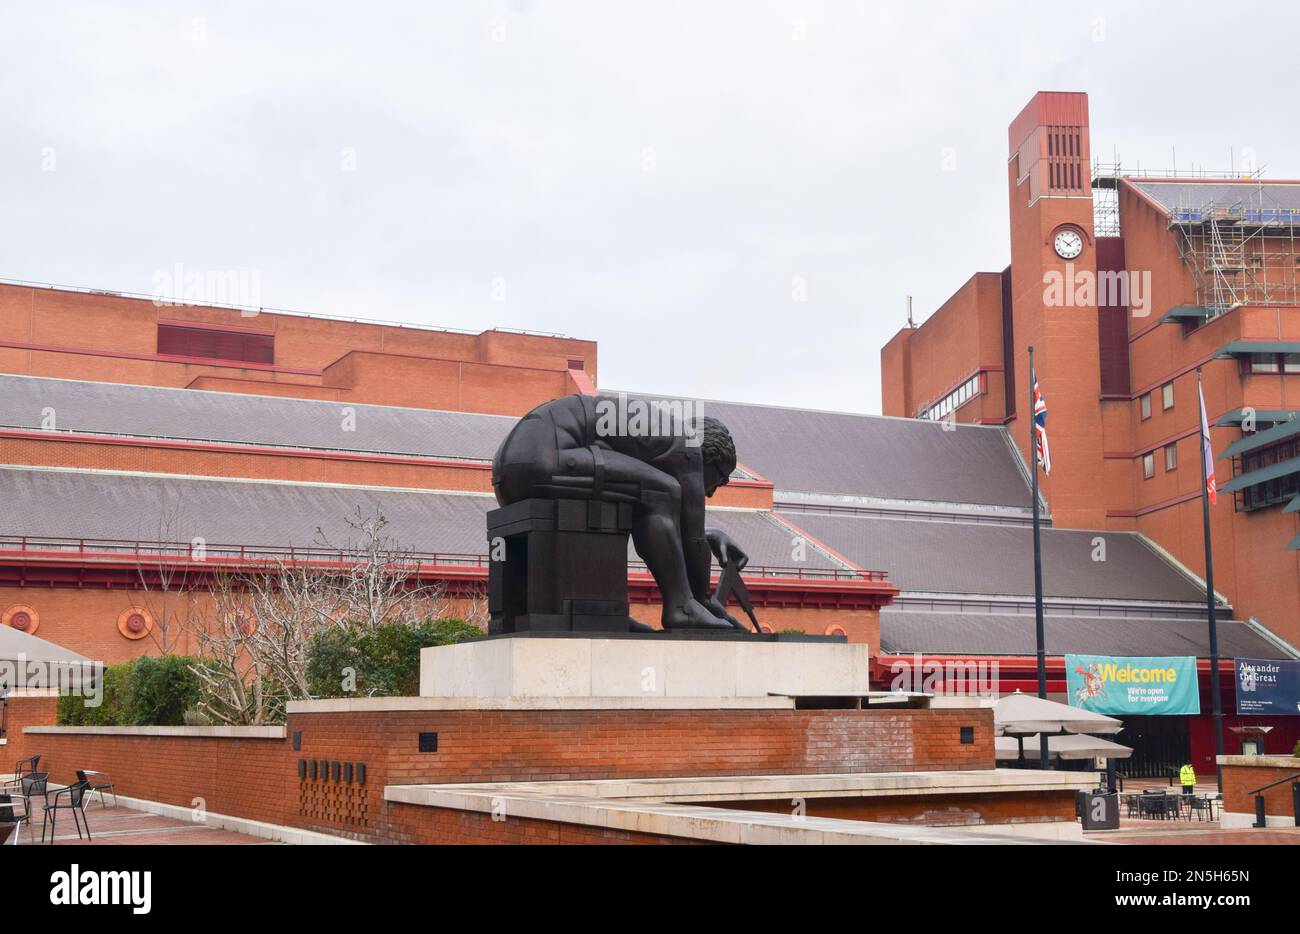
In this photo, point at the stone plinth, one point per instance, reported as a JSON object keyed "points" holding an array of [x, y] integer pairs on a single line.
{"points": [[650, 667]]}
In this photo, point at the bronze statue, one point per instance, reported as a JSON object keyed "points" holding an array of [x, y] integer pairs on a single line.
{"points": [[619, 455]]}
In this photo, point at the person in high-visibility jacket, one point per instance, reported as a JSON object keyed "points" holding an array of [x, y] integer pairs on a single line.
{"points": [[1187, 775]]}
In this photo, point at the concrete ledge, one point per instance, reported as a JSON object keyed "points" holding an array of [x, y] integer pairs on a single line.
{"points": [[761, 787], [1234, 820], [254, 828], [393, 704], [641, 668], [717, 825], [1267, 762], [209, 732]]}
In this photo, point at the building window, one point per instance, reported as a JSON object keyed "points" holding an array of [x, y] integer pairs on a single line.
{"points": [[1263, 363], [1148, 466], [1291, 363], [1270, 492], [1145, 404], [216, 344], [1167, 396], [1171, 456], [953, 401]]}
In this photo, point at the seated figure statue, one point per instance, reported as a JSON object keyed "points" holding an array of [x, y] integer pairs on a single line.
{"points": [[664, 464]]}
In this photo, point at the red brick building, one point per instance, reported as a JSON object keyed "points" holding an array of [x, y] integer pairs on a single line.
{"points": [[1125, 285], [144, 445]]}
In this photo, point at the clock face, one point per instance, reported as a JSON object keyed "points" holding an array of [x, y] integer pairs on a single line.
{"points": [[1068, 244]]}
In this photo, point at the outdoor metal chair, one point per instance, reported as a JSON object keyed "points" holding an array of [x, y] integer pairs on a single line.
{"points": [[26, 765], [14, 812], [29, 785], [1202, 806], [1153, 804], [98, 782], [72, 798]]}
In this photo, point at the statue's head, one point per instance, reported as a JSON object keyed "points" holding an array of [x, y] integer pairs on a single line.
{"points": [[719, 453]]}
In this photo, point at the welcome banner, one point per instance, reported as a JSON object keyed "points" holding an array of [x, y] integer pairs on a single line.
{"points": [[1133, 685], [1268, 686]]}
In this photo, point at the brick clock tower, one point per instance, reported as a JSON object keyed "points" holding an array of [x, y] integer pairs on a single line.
{"points": [[1052, 243]]}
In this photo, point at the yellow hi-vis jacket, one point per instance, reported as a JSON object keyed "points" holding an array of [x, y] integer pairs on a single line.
{"points": [[1187, 775]]}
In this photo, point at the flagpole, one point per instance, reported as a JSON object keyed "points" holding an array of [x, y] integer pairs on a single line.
{"points": [[1038, 556], [1203, 430]]}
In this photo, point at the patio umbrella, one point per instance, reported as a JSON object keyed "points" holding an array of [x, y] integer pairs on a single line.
{"points": [[1023, 714], [1064, 746], [27, 661]]}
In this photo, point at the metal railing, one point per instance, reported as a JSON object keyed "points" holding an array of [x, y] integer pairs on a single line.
{"points": [[1260, 819], [200, 552]]}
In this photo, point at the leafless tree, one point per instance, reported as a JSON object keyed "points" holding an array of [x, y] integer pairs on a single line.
{"points": [[164, 580], [260, 623]]}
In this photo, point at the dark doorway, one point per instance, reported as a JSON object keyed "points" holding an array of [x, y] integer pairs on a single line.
{"points": [[1161, 745]]}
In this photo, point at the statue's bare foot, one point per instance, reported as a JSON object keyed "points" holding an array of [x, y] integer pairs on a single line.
{"points": [[692, 616]]}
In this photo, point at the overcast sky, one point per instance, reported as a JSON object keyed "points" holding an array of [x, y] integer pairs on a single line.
{"points": [[666, 179]]}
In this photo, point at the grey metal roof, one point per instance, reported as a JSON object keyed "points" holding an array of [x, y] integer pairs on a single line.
{"points": [[1198, 196], [807, 451], [155, 412], [127, 507], [905, 631], [798, 450], [964, 557]]}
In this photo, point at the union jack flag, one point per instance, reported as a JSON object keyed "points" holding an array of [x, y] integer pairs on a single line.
{"points": [[1040, 427]]}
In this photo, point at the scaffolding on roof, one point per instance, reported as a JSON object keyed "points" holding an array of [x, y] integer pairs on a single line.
{"points": [[1105, 188], [1241, 249]]}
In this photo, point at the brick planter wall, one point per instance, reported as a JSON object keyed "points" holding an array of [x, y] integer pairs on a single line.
{"points": [[259, 778], [1240, 778]]}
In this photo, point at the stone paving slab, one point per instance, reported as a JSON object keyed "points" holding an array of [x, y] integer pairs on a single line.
{"points": [[119, 826]]}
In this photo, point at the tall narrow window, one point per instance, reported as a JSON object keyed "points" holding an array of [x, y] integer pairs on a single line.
{"points": [[1144, 406], [1167, 396], [1148, 466]]}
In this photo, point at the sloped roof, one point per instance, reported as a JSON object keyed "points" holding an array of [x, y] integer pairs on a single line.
{"points": [[904, 631], [798, 450], [129, 507], [1197, 196], [808, 451], [966, 557], [197, 415]]}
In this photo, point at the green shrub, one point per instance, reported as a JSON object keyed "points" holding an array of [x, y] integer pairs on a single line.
{"points": [[385, 661], [160, 690], [73, 711], [146, 692], [1296, 752]]}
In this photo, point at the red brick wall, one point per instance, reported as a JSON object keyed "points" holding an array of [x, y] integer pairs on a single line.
{"points": [[1240, 779], [112, 338], [932, 810], [411, 823], [258, 779]]}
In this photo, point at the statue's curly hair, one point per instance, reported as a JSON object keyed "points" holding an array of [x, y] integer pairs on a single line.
{"points": [[717, 447]]}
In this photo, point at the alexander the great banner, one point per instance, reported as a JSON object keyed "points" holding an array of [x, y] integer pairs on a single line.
{"points": [[1133, 685], [1268, 686]]}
